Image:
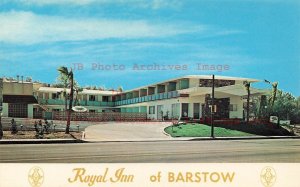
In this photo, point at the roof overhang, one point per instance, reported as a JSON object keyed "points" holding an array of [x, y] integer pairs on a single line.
{"points": [[21, 99], [237, 90], [217, 77]]}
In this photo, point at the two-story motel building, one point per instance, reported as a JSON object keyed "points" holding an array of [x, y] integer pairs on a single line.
{"points": [[187, 96]]}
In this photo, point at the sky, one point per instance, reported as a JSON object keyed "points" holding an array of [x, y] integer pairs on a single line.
{"points": [[139, 42]]}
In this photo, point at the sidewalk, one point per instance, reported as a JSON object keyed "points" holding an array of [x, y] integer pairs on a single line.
{"points": [[39, 141]]}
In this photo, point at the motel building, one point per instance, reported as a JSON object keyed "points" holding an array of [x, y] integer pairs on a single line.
{"points": [[183, 97]]}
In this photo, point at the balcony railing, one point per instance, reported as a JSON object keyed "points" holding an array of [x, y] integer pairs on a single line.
{"points": [[51, 101], [154, 97], [81, 103]]}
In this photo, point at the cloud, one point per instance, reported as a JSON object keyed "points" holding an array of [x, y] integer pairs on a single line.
{"points": [[28, 28], [61, 2], [153, 4]]}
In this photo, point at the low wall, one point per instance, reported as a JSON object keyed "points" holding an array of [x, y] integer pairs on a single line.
{"points": [[94, 116]]}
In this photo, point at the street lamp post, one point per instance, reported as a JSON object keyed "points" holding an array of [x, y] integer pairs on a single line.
{"points": [[212, 107]]}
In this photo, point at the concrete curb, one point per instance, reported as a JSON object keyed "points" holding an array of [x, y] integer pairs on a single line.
{"points": [[63, 141], [40, 141], [196, 139], [246, 138]]}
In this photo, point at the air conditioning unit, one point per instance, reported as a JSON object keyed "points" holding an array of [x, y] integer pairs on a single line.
{"points": [[274, 119]]}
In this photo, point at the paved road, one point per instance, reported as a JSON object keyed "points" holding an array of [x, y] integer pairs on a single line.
{"points": [[159, 152]]}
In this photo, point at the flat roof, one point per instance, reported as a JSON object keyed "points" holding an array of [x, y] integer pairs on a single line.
{"points": [[51, 89], [105, 92], [102, 92], [218, 77], [84, 91]]}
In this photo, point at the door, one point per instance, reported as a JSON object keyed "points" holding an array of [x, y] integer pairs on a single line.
{"points": [[160, 112], [175, 111], [196, 111], [222, 108], [184, 110]]}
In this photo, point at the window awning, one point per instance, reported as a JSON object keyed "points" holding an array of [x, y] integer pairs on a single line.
{"points": [[22, 99]]}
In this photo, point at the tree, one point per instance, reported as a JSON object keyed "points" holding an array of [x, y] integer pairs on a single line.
{"points": [[274, 92], [247, 86], [70, 78], [77, 89], [1, 101], [255, 107], [102, 88], [296, 116], [120, 89], [285, 107], [63, 83]]}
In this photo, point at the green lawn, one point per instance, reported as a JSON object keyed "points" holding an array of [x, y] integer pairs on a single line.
{"points": [[200, 130]]}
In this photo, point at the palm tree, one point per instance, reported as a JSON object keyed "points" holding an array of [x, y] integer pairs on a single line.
{"points": [[63, 80], [77, 89], [247, 86], [1, 101], [274, 92], [69, 74]]}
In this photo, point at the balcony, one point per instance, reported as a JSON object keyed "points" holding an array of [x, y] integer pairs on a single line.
{"points": [[154, 97], [93, 103], [51, 101], [99, 103], [81, 103]]}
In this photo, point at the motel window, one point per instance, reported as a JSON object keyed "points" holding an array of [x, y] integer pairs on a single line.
{"points": [[233, 107], [92, 98], [55, 96], [55, 110], [105, 98], [151, 109], [92, 111]]}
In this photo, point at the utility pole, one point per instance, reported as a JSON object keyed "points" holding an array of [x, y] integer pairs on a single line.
{"points": [[1, 101], [212, 107]]}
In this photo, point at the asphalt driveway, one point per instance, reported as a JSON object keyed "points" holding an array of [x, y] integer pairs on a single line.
{"points": [[127, 131]]}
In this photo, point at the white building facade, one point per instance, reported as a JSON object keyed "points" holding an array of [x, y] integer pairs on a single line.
{"points": [[185, 97], [189, 97]]}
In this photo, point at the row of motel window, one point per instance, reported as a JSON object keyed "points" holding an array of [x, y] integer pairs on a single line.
{"points": [[175, 108], [91, 97], [21, 110], [174, 112]]}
